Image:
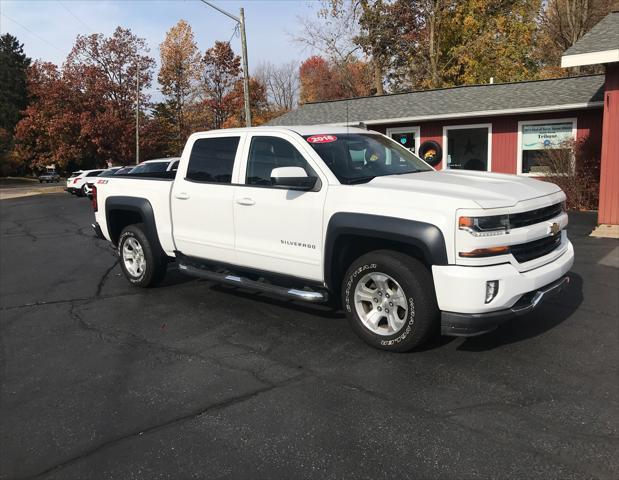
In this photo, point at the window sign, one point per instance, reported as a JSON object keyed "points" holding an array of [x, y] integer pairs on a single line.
{"points": [[539, 140], [540, 137]]}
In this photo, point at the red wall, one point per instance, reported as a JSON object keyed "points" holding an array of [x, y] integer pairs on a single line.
{"points": [[609, 175], [505, 132]]}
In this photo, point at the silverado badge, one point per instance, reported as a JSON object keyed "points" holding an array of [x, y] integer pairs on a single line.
{"points": [[554, 228]]}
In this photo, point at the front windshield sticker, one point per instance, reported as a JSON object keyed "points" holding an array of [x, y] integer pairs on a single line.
{"points": [[321, 138]]}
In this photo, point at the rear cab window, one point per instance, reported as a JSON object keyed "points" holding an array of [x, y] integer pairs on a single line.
{"points": [[212, 159]]}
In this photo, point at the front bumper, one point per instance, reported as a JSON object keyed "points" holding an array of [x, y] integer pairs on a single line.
{"points": [[471, 324], [460, 292]]}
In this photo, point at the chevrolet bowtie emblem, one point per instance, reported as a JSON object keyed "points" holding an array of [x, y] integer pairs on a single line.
{"points": [[554, 229]]}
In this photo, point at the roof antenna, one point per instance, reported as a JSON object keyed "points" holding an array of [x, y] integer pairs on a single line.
{"points": [[347, 124]]}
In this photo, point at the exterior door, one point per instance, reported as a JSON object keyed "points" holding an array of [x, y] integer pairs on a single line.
{"points": [[277, 229], [408, 137], [202, 199]]}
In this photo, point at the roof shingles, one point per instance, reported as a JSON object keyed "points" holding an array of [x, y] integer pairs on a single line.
{"points": [[602, 37], [450, 101]]}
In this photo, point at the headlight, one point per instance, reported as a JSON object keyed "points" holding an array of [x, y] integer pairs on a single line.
{"points": [[485, 226]]}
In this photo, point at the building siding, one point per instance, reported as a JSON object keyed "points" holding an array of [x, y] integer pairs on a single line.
{"points": [[505, 132], [608, 212]]}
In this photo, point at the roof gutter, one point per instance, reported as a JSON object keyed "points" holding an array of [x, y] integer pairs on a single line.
{"points": [[480, 113]]}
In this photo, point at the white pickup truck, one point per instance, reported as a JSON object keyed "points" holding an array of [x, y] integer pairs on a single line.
{"points": [[322, 212]]}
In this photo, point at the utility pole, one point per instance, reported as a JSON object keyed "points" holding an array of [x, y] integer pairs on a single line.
{"points": [[241, 21], [137, 112]]}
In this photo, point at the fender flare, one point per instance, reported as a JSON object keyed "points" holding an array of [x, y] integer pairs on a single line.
{"points": [[426, 237], [132, 204]]}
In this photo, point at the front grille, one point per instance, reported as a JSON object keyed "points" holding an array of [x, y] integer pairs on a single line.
{"points": [[535, 249], [532, 217]]}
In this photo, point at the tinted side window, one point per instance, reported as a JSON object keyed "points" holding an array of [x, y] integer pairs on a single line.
{"points": [[94, 174], [267, 153], [212, 159]]}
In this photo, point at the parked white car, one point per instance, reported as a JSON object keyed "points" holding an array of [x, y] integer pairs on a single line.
{"points": [[157, 165], [320, 212], [89, 181], [76, 184]]}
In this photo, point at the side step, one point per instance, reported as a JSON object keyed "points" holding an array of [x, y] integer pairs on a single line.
{"points": [[229, 279]]}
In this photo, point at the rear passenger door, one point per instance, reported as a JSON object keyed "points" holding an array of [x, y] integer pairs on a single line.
{"points": [[278, 229], [202, 199]]}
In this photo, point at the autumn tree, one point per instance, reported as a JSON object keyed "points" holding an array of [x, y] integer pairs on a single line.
{"points": [[562, 24], [258, 104], [13, 93], [179, 74], [221, 69], [322, 80], [83, 114]]}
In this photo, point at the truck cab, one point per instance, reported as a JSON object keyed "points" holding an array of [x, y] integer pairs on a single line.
{"points": [[344, 214]]}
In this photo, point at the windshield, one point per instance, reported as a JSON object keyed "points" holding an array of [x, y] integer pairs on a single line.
{"points": [[360, 157], [153, 167]]}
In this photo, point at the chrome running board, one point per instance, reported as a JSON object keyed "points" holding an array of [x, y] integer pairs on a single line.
{"points": [[313, 296]]}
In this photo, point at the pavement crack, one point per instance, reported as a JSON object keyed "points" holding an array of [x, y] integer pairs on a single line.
{"points": [[168, 423], [103, 279]]}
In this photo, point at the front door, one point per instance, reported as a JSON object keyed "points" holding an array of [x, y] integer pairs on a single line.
{"points": [[408, 137], [468, 148], [278, 230], [202, 200]]}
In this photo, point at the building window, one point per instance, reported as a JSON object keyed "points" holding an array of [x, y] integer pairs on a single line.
{"points": [[467, 147], [541, 140], [408, 137]]}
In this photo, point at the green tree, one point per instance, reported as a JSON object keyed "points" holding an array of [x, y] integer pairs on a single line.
{"points": [[13, 90]]}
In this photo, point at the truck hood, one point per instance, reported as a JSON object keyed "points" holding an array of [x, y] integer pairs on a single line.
{"points": [[488, 190]]}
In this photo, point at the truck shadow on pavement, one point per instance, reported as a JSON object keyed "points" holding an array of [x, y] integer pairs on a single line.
{"points": [[551, 313]]}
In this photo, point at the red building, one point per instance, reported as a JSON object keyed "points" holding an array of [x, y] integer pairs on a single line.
{"points": [[601, 47], [492, 127], [502, 127]]}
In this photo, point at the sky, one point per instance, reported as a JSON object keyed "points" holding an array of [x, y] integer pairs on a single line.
{"points": [[48, 28]]}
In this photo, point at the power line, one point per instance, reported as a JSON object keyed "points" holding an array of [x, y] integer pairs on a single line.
{"points": [[33, 33], [75, 16]]}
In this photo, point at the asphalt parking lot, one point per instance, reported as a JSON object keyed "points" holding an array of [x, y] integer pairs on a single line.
{"points": [[193, 380]]}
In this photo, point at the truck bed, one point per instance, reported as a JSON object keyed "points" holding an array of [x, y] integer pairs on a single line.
{"points": [[153, 188]]}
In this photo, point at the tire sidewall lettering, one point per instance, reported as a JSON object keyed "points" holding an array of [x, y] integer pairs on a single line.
{"points": [[352, 278]]}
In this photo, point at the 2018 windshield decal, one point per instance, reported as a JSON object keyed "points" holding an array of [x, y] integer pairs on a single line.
{"points": [[321, 138]]}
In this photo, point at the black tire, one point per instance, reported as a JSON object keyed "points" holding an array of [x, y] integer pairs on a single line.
{"points": [[422, 315], [155, 259], [431, 152], [83, 191]]}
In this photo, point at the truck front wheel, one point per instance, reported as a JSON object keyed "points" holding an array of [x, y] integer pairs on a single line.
{"points": [[141, 262], [389, 300]]}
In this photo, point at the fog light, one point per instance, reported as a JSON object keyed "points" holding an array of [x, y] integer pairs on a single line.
{"points": [[492, 288]]}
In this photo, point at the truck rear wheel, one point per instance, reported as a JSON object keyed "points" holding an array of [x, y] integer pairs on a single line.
{"points": [[143, 264], [389, 300]]}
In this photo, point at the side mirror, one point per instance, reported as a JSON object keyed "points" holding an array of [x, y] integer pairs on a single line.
{"points": [[293, 178]]}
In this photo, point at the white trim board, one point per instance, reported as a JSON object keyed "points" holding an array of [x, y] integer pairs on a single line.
{"points": [[446, 128], [572, 120], [590, 58], [480, 113]]}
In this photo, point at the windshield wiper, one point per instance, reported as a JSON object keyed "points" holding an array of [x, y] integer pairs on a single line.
{"points": [[352, 181]]}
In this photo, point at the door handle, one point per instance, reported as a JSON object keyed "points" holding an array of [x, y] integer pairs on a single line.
{"points": [[246, 201], [182, 195]]}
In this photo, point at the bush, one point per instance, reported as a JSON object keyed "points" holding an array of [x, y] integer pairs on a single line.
{"points": [[576, 170]]}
